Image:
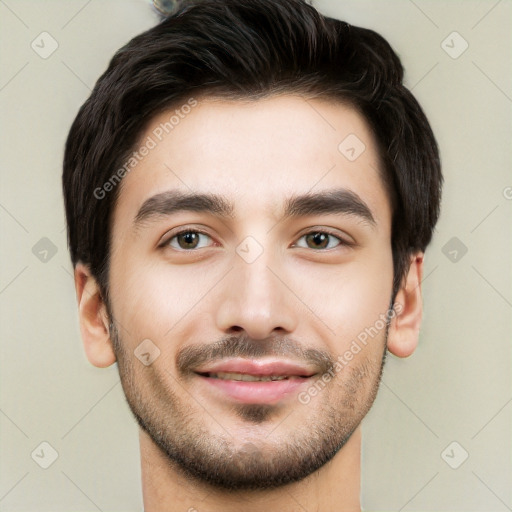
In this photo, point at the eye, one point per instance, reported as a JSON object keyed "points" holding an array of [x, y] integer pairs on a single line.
{"points": [[188, 240], [320, 240]]}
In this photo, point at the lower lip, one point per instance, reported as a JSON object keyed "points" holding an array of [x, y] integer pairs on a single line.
{"points": [[267, 392]]}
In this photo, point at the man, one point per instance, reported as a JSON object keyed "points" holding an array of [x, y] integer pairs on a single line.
{"points": [[249, 192]]}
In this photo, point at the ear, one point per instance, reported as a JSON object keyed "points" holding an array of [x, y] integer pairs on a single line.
{"points": [[404, 328], [94, 323]]}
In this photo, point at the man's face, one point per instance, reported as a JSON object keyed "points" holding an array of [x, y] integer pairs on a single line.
{"points": [[265, 283]]}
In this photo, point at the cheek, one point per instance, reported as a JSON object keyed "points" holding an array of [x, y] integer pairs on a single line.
{"points": [[348, 298], [156, 300]]}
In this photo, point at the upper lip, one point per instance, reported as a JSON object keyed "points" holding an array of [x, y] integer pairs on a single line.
{"points": [[257, 367]]}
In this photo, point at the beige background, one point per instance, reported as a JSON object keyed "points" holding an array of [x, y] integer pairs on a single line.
{"points": [[456, 387]]}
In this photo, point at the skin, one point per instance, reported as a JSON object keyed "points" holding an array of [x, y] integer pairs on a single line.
{"points": [[255, 154]]}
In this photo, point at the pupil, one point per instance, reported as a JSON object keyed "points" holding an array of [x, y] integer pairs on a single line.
{"points": [[189, 239], [319, 239]]}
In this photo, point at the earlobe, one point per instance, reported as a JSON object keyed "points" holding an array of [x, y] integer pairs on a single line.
{"points": [[93, 317], [405, 325]]}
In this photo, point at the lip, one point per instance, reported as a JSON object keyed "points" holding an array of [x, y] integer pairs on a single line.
{"points": [[264, 367], [250, 392], [269, 392]]}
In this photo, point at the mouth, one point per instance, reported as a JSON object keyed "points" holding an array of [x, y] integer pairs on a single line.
{"points": [[245, 377], [255, 382]]}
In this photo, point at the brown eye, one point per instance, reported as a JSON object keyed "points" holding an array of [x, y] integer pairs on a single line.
{"points": [[188, 240], [319, 240]]}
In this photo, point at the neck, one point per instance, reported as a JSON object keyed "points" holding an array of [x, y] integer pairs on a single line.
{"points": [[335, 486]]}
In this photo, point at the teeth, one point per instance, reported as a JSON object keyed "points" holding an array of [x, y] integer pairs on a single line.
{"points": [[245, 377]]}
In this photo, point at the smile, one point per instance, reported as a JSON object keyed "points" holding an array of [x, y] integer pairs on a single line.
{"points": [[254, 381], [249, 378]]}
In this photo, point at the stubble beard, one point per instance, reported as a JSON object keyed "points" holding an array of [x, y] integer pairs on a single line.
{"points": [[214, 456]]}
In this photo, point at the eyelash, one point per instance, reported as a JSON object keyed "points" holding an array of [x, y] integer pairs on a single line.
{"points": [[341, 241]]}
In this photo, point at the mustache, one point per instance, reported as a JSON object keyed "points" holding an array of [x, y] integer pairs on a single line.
{"points": [[193, 356]]}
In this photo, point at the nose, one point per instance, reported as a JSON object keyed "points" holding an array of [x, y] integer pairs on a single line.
{"points": [[255, 299]]}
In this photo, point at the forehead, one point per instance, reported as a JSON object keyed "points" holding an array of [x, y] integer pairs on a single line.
{"points": [[256, 154]]}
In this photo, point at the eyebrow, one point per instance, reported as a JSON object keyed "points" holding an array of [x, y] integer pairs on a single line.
{"points": [[336, 201], [173, 201]]}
